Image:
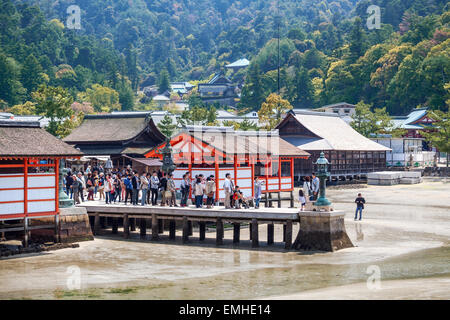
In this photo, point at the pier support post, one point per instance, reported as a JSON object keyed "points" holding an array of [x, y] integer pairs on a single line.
{"points": [[143, 228], [126, 226], [190, 228], [202, 226], [250, 226], [288, 240], [25, 235], [255, 239], [115, 225], [270, 233], [96, 224], [279, 199], [160, 226], [284, 233], [133, 224], [172, 229], [266, 199], [236, 233], [155, 236], [292, 200], [185, 229], [219, 232]]}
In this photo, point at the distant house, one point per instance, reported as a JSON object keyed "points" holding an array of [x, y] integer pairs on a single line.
{"points": [[239, 64], [181, 87], [350, 154], [161, 100], [118, 136], [415, 123], [223, 116], [406, 151], [343, 109], [219, 90]]}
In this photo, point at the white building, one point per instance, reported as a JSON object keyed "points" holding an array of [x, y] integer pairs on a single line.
{"points": [[404, 150]]}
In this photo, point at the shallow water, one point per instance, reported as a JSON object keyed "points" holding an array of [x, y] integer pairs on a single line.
{"points": [[402, 234]]}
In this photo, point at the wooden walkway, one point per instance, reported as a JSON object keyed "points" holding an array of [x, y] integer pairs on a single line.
{"points": [[155, 217]]}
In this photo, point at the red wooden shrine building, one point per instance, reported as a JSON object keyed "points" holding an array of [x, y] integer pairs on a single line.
{"points": [[243, 154], [29, 174]]}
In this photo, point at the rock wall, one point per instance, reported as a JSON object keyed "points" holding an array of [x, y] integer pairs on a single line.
{"points": [[74, 227], [322, 231]]}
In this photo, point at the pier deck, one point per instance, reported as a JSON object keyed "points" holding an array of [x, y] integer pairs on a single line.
{"points": [[156, 216]]}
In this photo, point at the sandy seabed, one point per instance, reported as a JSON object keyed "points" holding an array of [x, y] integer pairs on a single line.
{"points": [[404, 237]]}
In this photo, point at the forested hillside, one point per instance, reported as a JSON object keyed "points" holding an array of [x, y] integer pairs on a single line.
{"points": [[327, 53]]}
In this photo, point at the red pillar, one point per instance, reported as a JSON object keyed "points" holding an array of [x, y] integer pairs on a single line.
{"points": [[57, 186], [25, 187]]}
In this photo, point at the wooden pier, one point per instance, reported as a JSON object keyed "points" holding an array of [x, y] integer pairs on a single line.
{"points": [[158, 216]]}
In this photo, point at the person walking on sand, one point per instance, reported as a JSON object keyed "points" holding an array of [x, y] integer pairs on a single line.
{"points": [[360, 201]]}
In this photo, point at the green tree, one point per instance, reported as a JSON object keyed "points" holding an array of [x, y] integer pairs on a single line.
{"points": [[439, 137], [26, 109], [370, 123], [164, 81], [357, 40], [103, 99], [272, 110], [303, 89], [252, 93], [54, 103], [126, 97], [31, 74], [167, 126]]}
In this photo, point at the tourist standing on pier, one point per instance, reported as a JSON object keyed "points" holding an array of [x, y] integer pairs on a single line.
{"points": [[90, 186], [82, 186], [117, 188], [144, 187], [76, 189], [135, 192], [154, 185], [258, 192], [185, 189], [210, 189], [302, 199], [315, 185], [69, 182], [128, 188], [101, 186], [163, 189], [173, 191], [107, 189], [360, 201], [228, 187], [307, 189], [199, 191]]}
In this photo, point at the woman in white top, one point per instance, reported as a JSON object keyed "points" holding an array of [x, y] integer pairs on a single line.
{"points": [[307, 191]]}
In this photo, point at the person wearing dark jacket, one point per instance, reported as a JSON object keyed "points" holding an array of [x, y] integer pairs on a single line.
{"points": [[69, 182], [163, 189], [360, 201], [128, 189], [135, 181]]}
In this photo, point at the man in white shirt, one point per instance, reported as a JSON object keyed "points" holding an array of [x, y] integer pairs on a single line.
{"points": [[315, 185], [228, 187]]}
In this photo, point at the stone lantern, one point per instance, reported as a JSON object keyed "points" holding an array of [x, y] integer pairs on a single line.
{"points": [[323, 174], [168, 164]]}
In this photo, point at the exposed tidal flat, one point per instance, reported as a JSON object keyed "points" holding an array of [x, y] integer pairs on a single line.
{"points": [[405, 233]]}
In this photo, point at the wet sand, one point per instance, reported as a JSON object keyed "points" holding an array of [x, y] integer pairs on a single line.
{"points": [[405, 233]]}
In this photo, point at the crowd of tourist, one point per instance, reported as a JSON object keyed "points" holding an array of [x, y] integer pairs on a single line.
{"points": [[158, 188]]}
